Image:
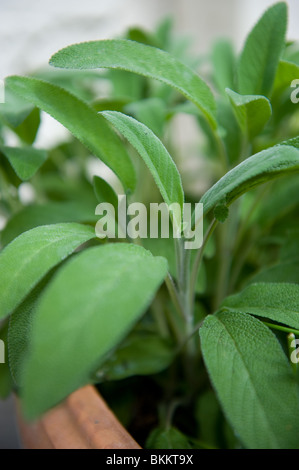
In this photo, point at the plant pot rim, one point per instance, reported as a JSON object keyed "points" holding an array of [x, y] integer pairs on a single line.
{"points": [[82, 421]]}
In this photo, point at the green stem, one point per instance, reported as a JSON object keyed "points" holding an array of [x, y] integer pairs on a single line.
{"points": [[227, 237], [157, 309], [281, 328], [198, 259], [222, 152], [174, 295]]}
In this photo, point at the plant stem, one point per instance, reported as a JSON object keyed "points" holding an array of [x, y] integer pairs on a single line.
{"points": [[281, 328], [174, 295], [198, 259]]}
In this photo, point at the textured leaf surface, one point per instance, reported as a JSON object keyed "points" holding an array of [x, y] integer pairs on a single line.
{"points": [[25, 261], [155, 156], [19, 331], [140, 59], [45, 214], [263, 48], [252, 112], [92, 303], [81, 120], [277, 301], [253, 380], [25, 161], [258, 169]]}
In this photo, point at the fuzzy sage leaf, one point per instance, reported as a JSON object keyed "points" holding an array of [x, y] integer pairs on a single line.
{"points": [[109, 288], [141, 59], [155, 156], [81, 120], [258, 169], [262, 51], [25, 261], [277, 301], [253, 380], [252, 112]]}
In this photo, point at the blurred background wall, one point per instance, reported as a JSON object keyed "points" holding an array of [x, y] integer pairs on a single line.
{"points": [[32, 30]]}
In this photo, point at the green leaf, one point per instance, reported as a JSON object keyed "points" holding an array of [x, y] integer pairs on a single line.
{"points": [[15, 109], [104, 192], [142, 353], [46, 214], [171, 438], [252, 112], [287, 272], [232, 136], [143, 60], [284, 198], [19, 331], [223, 60], [258, 169], [221, 212], [92, 303], [28, 129], [81, 120], [290, 248], [113, 104], [214, 430], [277, 301], [25, 161], [155, 156], [287, 72], [25, 261], [294, 142], [261, 53], [142, 36], [151, 112], [253, 379]]}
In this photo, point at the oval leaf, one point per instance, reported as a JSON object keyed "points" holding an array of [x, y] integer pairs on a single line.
{"points": [[104, 192], [252, 112], [258, 169], [25, 161], [81, 120], [155, 156], [263, 48], [277, 301], [141, 59], [25, 261], [253, 380], [92, 303], [46, 214]]}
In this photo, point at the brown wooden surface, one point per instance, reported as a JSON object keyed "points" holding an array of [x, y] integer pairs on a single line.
{"points": [[82, 421]]}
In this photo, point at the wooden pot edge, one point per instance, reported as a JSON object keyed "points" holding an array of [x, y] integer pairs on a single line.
{"points": [[82, 421]]}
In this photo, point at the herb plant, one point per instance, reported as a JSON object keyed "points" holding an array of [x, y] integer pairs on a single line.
{"points": [[205, 339]]}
